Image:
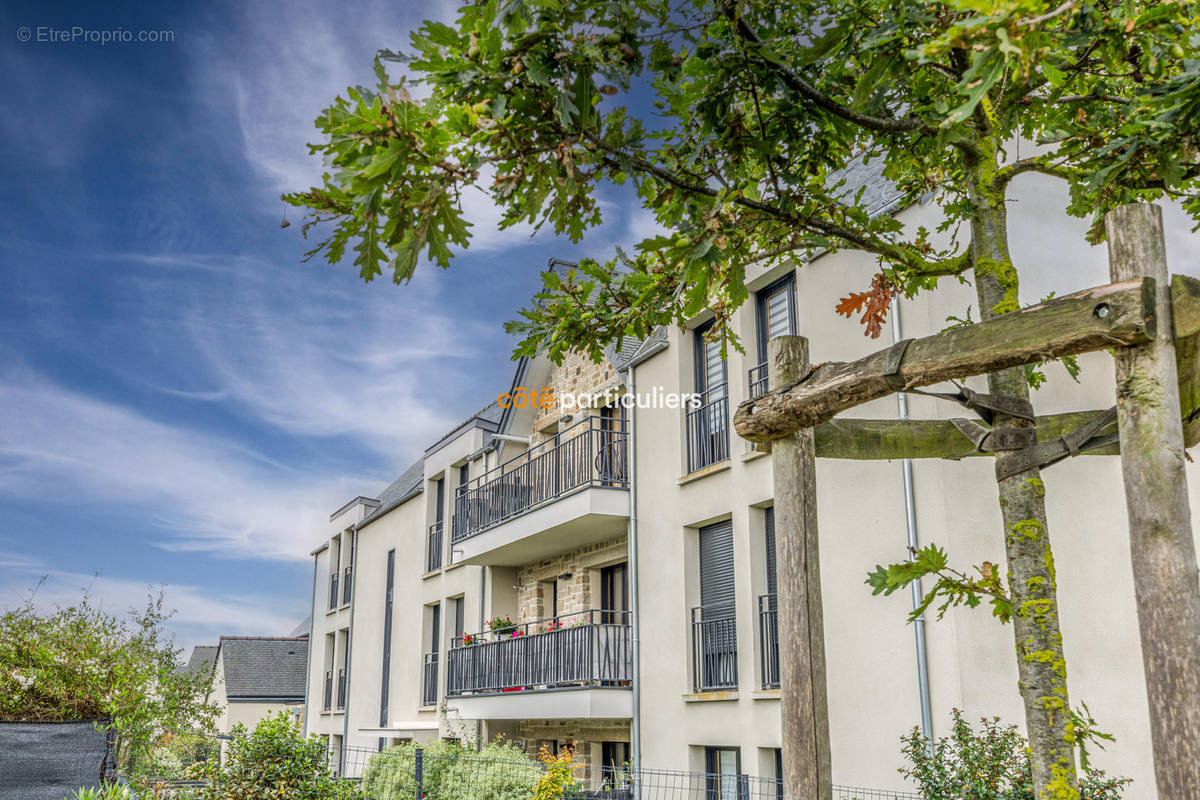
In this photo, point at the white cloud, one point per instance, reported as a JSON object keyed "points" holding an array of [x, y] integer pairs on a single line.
{"points": [[276, 72], [200, 617], [315, 356], [206, 493]]}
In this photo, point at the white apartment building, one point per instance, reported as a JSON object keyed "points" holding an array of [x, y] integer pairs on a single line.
{"points": [[575, 526]]}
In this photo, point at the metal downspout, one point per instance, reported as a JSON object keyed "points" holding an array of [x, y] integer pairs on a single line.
{"points": [[349, 647], [635, 728], [910, 521], [312, 621]]}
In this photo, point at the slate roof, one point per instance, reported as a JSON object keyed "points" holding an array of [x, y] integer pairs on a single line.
{"points": [[303, 629], [201, 662], [412, 481], [879, 195], [490, 415], [267, 668]]}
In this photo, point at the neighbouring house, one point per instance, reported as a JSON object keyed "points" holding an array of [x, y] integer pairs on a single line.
{"points": [[254, 677], [526, 516]]}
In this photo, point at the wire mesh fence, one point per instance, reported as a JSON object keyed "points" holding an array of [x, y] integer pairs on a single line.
{"points": [[401, 773], [411, 773]]}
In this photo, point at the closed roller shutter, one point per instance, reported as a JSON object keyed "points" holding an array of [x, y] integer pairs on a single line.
{"points": [[717, 592]]}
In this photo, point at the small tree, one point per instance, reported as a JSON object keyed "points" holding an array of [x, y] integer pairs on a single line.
{"points": [[985, 764], [82, 663], [275, 761]]}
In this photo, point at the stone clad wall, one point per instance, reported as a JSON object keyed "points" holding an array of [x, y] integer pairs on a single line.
{"points": [[578, 374], [574, 593], [584, 734]]}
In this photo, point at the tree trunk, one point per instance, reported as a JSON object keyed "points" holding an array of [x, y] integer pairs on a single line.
{"points": [[1041, 666], [804, 705], [1160, 520]]}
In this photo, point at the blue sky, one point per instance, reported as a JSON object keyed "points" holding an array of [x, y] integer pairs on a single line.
{"points": [[182, 401]]}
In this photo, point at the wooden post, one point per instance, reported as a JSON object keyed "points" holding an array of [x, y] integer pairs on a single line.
{"points": [[1165, 574], [805, 707]]}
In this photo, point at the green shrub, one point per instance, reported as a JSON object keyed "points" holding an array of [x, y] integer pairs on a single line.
{"points": [[989, 764], [274, 762], [110, 791], [391, 774], [81, 663], [501, 771]]}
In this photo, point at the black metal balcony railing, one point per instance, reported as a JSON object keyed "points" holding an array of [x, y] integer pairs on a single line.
{"points": [[590, 453], [433, 558], [759, 381], [429, 680], [346, 584], [708, 429], [714, 648], [341, 688], [585, 649], [333, 590], [328, 691], [768, 640]]}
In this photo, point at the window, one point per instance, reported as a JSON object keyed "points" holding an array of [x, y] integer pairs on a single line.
{"points": [[389, 591], [714, 624], [776, 316], [335, 552], [464, 478], [614, 765], [614, 755], [348, 572], [723, 769], [778, 774], [614, 594], [434, 546], [327, 705], [611, 456], [460, 618], [429, 688], [708, 425], [440, 499], [768, 609], [550, 598]]}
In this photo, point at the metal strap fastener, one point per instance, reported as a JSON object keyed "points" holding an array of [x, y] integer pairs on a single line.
{"points": [[1084, 438], [891, 365], [985, 405], [995, 440]]}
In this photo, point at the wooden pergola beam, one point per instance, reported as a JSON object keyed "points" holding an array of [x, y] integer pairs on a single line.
{"points": [[1115, 315], [886, 439]]}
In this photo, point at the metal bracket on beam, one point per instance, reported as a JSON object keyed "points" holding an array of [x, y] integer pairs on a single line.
{"points": [[891, 365], [1049, 453]]}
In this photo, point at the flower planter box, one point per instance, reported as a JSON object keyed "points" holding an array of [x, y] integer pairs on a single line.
{"points": [[49, 760]]}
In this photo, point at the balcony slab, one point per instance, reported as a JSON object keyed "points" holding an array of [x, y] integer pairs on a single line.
{"points": [[590, 515], [590, 703]]}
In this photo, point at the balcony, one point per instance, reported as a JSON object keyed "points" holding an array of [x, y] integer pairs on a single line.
{"points": [[768, 640], [759, 381], [333, 591], [328, 704], [574, 665], [564, 493], [346, 584], [714, 649], [341, 689], [708, 429], [433, 554], [429, 680]]}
